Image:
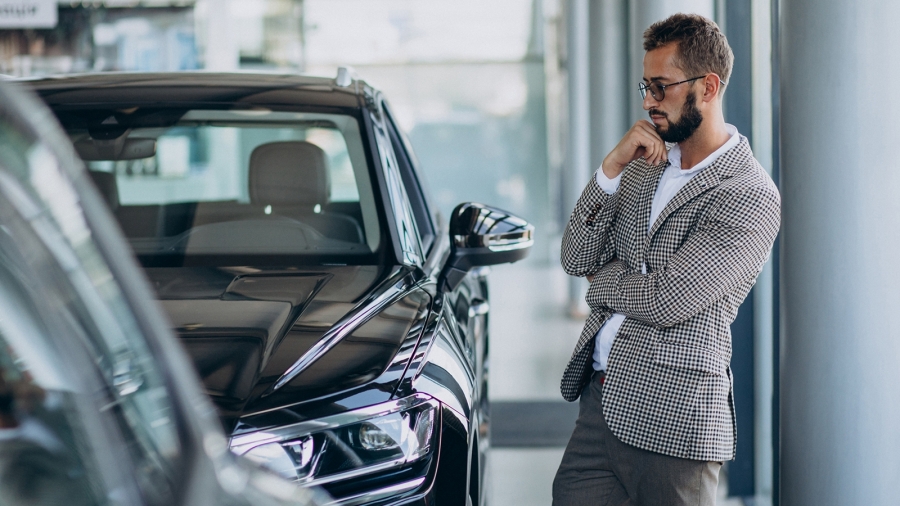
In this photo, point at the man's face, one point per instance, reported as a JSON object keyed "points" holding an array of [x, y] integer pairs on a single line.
{"points": [[676, 116]]}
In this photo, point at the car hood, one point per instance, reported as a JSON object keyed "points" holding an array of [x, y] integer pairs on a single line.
{"points": [[245, 327]]}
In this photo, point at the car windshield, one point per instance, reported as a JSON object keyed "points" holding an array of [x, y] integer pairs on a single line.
{"points": [[202, 183]]}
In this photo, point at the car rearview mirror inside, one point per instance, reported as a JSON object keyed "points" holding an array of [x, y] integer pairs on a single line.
{"points": [[115, 149]]}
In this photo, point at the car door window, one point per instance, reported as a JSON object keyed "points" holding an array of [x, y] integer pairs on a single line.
{"points": [[405, 160], [55, 442]]}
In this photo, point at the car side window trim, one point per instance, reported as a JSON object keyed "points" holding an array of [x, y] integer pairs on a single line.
{"points": [[415, 188], [407, 231]]}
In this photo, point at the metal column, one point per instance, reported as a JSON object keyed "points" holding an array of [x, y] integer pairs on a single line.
{"points": [[609, 76], [578, 147], [840, 361], [764, 292], [739, 108], [578, 66], [598, 107]]}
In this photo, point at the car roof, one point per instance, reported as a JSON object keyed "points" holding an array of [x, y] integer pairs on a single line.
{"points": [[197, 87]]}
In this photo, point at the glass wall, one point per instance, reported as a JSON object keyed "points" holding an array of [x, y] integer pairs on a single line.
{"points": [[465, 80], [94, 36], [157, 35]]}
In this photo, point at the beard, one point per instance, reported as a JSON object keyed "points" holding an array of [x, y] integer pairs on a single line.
{"points": [[687, 124]]}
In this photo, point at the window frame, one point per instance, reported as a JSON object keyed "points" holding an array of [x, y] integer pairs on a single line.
{"points": [[402, 222], [426, 220]]}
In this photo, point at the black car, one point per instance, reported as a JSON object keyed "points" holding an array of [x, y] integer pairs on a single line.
{"points": [[98, 403], [338, 323]]}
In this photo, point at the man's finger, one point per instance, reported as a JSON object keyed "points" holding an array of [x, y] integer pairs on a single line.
{"points": [[655, 148], [650, 128]]}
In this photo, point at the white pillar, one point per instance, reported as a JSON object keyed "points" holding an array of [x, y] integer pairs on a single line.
{"points": [[578, 66], [221, 38], [840, 361]]}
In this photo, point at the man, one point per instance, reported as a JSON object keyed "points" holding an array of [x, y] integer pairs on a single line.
{"points": [[672, 242]]}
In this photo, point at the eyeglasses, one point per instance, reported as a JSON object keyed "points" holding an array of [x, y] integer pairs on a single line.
{"points": [[658, 91]]}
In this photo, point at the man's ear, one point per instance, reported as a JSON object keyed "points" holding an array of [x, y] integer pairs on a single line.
{"points": [[711, 86]]}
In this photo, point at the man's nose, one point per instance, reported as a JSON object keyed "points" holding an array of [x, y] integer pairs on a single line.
{"points": [[649, 101]]}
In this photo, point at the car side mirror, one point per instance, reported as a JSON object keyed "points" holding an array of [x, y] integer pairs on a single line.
{"points": [[483, 235]]}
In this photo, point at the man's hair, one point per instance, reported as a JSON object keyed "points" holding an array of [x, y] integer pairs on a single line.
{"points": [[702, 47]]}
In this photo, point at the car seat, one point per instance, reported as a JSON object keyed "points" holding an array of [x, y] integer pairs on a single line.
{"points": [[290, 179]]}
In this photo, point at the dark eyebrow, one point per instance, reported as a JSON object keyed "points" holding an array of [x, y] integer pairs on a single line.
{"points": [[657, 78]]}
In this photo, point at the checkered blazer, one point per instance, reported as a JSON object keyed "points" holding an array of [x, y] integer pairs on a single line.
{"points": [[668, 385]]}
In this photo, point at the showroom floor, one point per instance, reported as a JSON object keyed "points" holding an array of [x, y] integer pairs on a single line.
{"points": [[531, 340]]}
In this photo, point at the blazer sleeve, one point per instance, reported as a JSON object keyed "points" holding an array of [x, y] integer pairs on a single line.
{"points": [[587, 241], [729, 247]]}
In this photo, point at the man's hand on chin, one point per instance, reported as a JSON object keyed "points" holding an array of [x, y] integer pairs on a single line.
{"points": [[641, 141]]}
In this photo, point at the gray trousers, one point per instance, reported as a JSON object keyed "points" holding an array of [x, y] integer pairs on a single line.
{"points": [[598, 469]]}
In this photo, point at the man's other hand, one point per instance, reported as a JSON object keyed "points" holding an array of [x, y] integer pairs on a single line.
{"points": [[590, 277], [641, 141]]}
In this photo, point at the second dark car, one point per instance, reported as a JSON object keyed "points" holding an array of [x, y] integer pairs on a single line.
{"points": [[337, 322], [99, 405]]}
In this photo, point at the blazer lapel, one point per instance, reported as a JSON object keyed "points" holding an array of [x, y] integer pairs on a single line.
{"points": [[707, 178], [725, 166], [645, 203]]}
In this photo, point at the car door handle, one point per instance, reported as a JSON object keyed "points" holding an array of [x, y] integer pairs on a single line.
{"points": [[479, 308]]}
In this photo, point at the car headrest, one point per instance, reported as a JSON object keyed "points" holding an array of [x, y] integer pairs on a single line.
{"points": [[106, 185], [288, 173]]}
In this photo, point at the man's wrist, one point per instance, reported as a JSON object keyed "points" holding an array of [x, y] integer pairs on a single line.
{"points": [[608, 184], [611, 169]]}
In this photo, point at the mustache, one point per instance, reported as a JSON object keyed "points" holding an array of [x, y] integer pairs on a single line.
{"points": [[657, 112]]}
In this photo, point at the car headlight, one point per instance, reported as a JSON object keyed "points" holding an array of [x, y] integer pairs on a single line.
{"points": [[349, 444]]}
